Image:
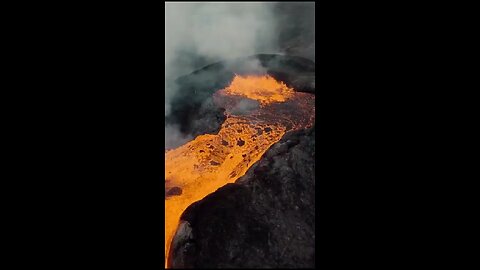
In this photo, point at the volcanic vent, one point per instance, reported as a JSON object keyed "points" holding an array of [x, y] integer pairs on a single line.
{"points": [[259, 111]]}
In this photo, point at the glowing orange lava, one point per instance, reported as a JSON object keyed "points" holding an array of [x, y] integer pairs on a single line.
{"points": [[210, 161], [262, 88]]}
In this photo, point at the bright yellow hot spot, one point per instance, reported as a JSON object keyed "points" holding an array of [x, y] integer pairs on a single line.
{"points": [[265, 89]]}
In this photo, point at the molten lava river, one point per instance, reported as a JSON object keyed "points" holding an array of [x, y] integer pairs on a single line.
{"points": [[259, 111]]}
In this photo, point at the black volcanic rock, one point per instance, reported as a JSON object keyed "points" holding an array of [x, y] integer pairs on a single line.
{"points": [[264, 220], [207, 120], [174, 191]]}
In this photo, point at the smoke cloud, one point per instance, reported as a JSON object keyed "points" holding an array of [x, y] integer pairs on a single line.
{"points": [[174, 138], [198, 34]]}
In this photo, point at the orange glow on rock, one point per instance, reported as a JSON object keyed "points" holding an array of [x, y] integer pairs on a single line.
{"points": [[210, 161]]}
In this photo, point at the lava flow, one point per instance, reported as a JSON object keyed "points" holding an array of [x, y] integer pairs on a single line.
{"points": [[259, 110]]}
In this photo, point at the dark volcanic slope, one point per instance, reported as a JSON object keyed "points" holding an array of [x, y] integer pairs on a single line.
{"points": [[266, 219], [192, 106]]}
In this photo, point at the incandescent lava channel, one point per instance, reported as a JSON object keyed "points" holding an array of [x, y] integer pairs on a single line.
{"points": [[259, 110]]}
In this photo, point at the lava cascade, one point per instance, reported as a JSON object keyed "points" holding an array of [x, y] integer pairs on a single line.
{"points": [[210, 161]]}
